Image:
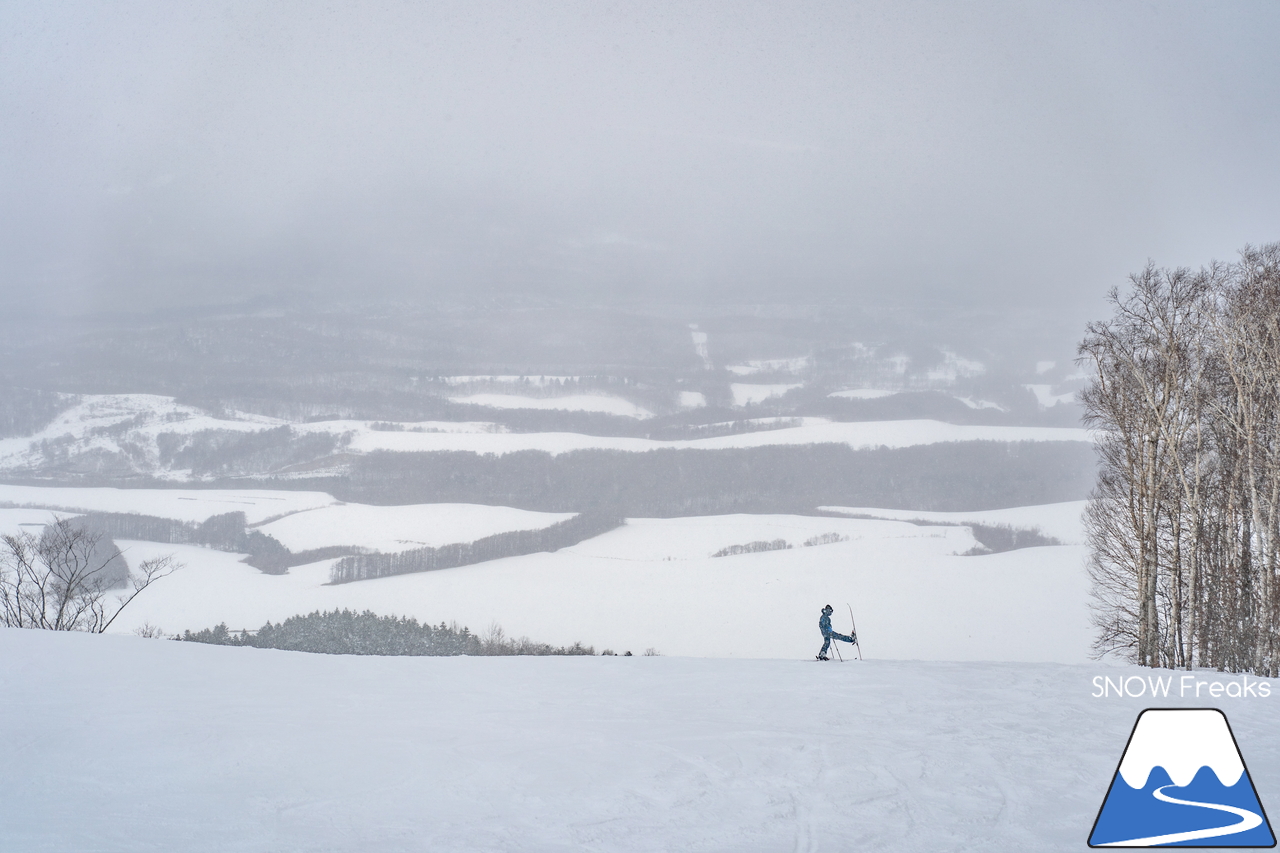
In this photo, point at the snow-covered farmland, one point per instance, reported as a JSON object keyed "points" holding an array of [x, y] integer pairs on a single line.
{"points": [[398, 528], [128, 429], [258, 505], [862, 394], [692, 399], [169, 746], [1063, 521], [865, 434], [599, 403], [654, 583]]}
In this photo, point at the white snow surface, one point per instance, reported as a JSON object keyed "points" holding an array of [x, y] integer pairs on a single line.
{"points": [[128, 744], [744, 395], [653, 583], [1063, 521], [692, 399], [107, 422], [399, 528], [15, 521], [1181, 742], [604, 404], [863, 393], [127, 427], [258, 505]]}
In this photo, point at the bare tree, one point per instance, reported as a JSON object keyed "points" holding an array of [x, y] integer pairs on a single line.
{"points": [[60, 580], [1184, 523]]}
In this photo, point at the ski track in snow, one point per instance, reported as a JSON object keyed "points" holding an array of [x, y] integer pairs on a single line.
{"points": [[171, 746]]}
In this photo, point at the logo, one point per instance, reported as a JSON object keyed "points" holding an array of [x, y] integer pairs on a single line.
{"points": [[1181, 783]]}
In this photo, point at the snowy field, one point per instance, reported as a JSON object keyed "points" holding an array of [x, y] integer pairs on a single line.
{"points": [[130, 426], [654, 584], [126, 744], [399, 528], [602, 403], [258, 505], [1062, 521], [858, 435]]}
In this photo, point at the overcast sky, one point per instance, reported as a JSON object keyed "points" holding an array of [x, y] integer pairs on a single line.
{"points": [[1008, 153]]}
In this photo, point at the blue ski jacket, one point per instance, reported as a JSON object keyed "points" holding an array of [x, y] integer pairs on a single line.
{"points": [[825, 624]]}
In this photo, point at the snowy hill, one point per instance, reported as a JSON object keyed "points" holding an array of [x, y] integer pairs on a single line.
{"points": [[142, 434], [169, 746], [654, 583], [650, 583]]}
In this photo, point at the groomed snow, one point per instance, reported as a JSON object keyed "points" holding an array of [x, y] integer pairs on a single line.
{"points": [[127, 744], [600, 403], [653, 583], [399, 528], [197, 505]]}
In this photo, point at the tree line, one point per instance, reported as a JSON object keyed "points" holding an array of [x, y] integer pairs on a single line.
{"points": [[512, 543], [670, 482], [344, 632], [1184, 521]]}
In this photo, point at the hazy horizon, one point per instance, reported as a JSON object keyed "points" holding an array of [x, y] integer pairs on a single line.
{"points": [[1003, 157]]}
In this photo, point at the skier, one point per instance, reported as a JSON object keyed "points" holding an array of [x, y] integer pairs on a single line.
{"points": [[824, 624]]}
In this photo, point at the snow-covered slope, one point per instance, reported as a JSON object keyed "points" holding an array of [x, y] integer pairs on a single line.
{"points": [[258, 505], [125, 744], [654, 583], [1063, 521], [141, 434], [814, 431], [399, 528]]}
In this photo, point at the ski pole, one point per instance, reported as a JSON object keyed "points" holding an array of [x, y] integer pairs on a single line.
{"points": [[855, 630]]}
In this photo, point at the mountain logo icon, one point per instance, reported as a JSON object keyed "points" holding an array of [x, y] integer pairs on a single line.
{"points": [[1181, 783]]}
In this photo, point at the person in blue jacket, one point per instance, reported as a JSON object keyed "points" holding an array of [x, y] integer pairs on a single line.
{"points": [[824, 624]]}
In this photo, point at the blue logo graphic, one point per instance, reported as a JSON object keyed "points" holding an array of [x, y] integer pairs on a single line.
{"points": [[1181, 783]]}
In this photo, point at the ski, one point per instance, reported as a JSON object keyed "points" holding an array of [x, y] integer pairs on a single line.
{"points": [[856, 642]]}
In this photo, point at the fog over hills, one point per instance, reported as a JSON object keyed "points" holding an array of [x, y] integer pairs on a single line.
{"points": [[463, 384]]}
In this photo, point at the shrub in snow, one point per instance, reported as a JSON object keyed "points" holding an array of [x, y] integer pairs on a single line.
{"points": [[753, 548], [60, 580], [825, 539]]}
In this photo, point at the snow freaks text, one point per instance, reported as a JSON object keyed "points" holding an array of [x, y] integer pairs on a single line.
{"points": [[1189, 686]]}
